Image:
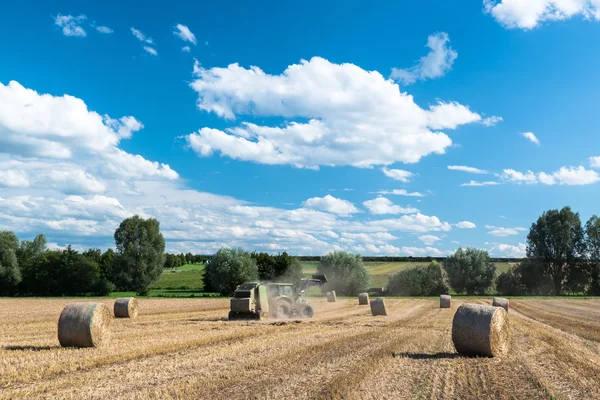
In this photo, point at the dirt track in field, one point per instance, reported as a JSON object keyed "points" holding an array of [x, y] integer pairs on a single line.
{"points": [[186, 349]]}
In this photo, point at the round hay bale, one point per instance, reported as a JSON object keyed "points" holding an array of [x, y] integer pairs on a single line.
{"points": [[500, 302], [84, 325], [363, 299], [126, 308], [445, 301], [378, 306], [331, 296], [481, 330]]}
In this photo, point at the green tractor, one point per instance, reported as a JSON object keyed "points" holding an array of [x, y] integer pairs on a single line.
{"points": [[253, 300]]}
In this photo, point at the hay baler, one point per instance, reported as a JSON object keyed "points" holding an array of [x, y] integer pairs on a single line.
{"points": [[249, 302]]}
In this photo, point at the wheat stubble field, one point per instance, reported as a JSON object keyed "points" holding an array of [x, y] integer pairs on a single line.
{"points": [[184, 348]]}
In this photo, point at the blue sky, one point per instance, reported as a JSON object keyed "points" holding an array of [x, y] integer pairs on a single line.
{"points": [[280, 127]]}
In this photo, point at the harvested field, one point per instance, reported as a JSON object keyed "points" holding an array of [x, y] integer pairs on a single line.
{"points": [[184, 348]]}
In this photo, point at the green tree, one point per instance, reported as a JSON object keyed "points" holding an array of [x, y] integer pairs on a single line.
{"points": [[229, 268], [418, 281], [592, 237], [10, 272], [139, 256], [557, 242], [470, 271], [31, 249], [106, 264], [346, 273]]}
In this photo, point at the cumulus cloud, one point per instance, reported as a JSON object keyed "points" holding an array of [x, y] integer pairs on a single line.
{"points": [[492, 121], [71, 26], [186, 49], [104, 29], [140, 36], [401, 192], [532, 13], [331, 204], [595, 162], [151, 50], [398, 174], [501, 231], [463, 168], [381, 205], [484, 183], [531, 137], [435, 64], [429, 239], [184, 33], [466, 225], [507, 250], [423, 251], [345, 116], [571, 176]]}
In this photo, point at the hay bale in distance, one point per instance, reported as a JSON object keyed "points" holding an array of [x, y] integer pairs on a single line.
{"points": [[331, 296], [126, 308], [363, 299], [481, 330], [378, 306], [500, 302], [84, 325], [445, 301]]}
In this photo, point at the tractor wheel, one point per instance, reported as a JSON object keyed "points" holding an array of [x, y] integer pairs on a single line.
{"points": [[308, 311], [259, 315], [283, 310], [232, 315]]}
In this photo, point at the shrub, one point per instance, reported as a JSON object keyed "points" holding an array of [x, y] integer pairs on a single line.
{"points": [[419, 281], [346, 273], [470, 271], [229, 268]]}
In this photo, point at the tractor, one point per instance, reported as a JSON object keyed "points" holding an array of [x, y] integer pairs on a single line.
{"points": [[253, 300]]}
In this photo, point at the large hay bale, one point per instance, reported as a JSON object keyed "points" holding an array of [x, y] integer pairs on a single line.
{"points": [[84, 325], [378, 306], [331, 296], [481, 330], [445, 301], [363, 299], [500, 302], [126, 308]]}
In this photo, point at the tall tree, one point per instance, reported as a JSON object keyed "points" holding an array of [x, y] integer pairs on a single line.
{"points": [[592, 236], [229, 268], [556, 240], [470, 270], [139, 256], [346, 273], [10, 273], [31, 249]]}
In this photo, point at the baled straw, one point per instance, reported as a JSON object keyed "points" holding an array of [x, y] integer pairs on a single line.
{"points": [[378, 306], [363, 299], [84, 325], [126, 308], [331, 296], [500, 302], [445, 301], [481, 330]]}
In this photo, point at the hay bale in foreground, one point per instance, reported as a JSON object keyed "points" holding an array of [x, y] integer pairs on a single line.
{"points": [[84, 325], [481, 330], [126, 308], [500, 302], [445, 301], [363, 299], [378, 306], [331, 296]]}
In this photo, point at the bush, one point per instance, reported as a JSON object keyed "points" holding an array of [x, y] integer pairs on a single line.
{"points": [[508, 284], [280, 267], [229, 268], [418, 281], [470, 271], [346, 273], [526, 278]]}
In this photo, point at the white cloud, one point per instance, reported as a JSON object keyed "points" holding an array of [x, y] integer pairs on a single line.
{"points": [[435, 64], [381, 205], [415, 223], [71, 26], [429, 239], [476, 183], [595, 162], [531, 137], [423, 251], [564, 176], [13, 178], [471, 170], [401, 192], [492, 121], [466, 225], [151, 50], [398, 174], [140, 36], [330, 204], [104, 29], [501, 231], [531, 13], [186, 49], [347, 116], [507, 250], [184, 33]]}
